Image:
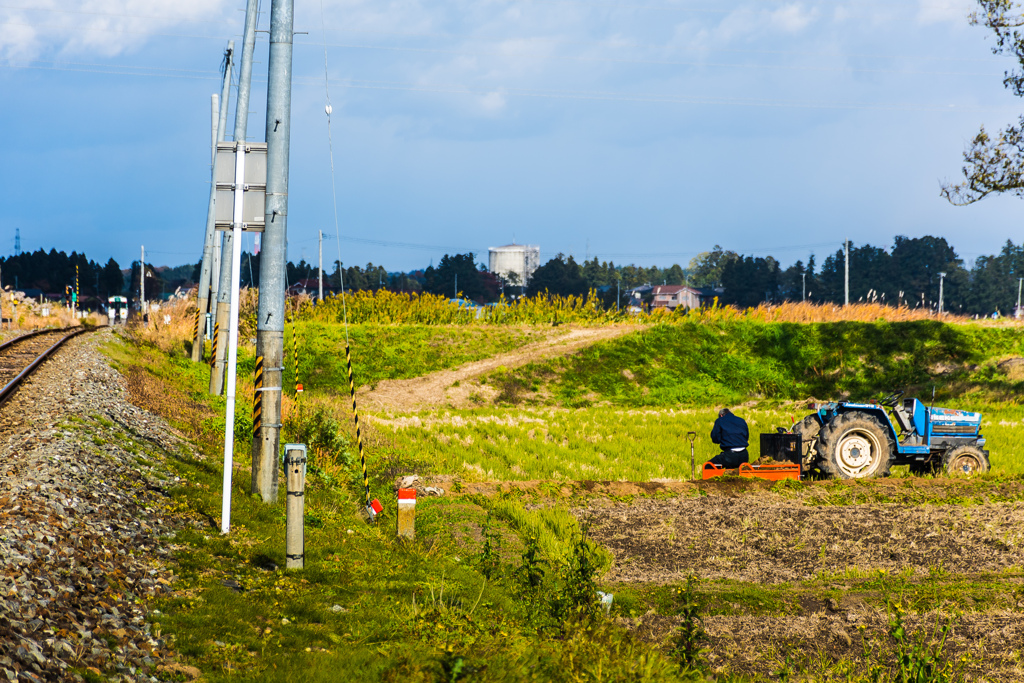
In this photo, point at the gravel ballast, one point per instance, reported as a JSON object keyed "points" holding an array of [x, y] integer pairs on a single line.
{"points": [[84, 518]]}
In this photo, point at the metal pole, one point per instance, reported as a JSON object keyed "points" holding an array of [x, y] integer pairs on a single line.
{"points": [[846, 298], [224, 294], [270, 322], [320, 268], [693, 459], [229, 408], [942, 278], [142, 285], [1020, 283], [803, 287], [206, 270]]}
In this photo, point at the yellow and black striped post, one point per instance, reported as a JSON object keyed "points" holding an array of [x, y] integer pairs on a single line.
{"points": [[295, 358], [213, 348], [355, 416], [195, 328], [257, 397]]}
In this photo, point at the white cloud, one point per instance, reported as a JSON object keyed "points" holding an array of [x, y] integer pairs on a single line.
{"points": [[792, 18], [493, 102], [100, 27], [938, 11]]}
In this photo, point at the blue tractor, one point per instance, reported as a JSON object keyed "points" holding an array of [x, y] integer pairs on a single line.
{"points": [[859, 440]]}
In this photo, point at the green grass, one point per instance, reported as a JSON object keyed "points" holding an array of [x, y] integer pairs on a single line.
{"points": [[428, 610], [606, 443], [367, 601], [692, 363], [381, 352]]}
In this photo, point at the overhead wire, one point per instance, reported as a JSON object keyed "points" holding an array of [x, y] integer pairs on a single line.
{"points": [[328, 109]]}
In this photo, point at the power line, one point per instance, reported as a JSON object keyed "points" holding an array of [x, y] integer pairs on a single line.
{"points": [[649, 98], [651, 62]]}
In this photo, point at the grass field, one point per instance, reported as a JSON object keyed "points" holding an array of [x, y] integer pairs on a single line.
{"points": [[500, 444], [392, 352], [821, 581], [698, 363]]}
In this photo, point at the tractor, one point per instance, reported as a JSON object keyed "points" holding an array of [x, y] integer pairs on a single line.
{"points": [[859, 440]]}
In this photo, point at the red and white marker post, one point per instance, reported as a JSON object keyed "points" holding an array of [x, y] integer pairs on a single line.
{"points": [[407, 513]]}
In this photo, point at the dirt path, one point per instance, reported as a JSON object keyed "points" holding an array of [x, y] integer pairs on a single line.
{"points": [[430, 391]]}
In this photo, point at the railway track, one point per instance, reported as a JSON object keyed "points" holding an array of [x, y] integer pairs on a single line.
{"points": [[19, 357]]}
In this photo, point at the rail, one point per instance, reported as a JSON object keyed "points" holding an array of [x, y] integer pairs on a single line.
{"points": [[12, 386]]}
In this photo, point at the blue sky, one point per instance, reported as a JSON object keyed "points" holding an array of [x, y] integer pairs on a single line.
{"points": [[635, 130]]}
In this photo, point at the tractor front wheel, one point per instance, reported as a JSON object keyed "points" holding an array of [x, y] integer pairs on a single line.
{"points": [[855, 446], [965, 461]]}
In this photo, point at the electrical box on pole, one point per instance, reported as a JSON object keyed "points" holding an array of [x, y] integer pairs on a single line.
{"points": [[254, 186]]}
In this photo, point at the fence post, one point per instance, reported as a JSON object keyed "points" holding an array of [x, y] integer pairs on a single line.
{"points": [[295, 538], [407, 513]]}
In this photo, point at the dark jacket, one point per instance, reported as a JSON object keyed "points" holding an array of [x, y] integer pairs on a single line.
{"points": [[730, 432]]}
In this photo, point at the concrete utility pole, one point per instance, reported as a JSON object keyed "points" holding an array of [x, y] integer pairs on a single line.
{"points": [[270, 322], [1020, 283], [803, 287], [846, 297], [224, 291], [942, 278], [206, 270], [320, 265], [142, 284]]}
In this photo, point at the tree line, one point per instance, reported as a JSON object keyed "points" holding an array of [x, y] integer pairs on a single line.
{"points": [[905, 274]]}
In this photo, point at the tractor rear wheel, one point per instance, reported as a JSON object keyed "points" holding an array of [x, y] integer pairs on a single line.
{"points": [[965, 461], [855, 446], [808, 429]]}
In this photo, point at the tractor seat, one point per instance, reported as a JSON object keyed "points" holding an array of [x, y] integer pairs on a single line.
{"points": [[905, 416]]}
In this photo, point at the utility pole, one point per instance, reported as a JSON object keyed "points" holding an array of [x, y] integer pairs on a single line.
{"points": [[846, 297], [803, 287], [224, 291], [1020, 283], [456, 285], [320, 265], [270, 321], [220, 108], [142, 285], [942, 278]]}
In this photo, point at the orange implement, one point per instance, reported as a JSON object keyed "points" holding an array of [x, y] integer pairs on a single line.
{"points": [[775, 472]]}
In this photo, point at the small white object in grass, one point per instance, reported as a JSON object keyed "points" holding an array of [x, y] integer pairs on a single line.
{"points": [[350, 532], [606, 601], [285, 622]]}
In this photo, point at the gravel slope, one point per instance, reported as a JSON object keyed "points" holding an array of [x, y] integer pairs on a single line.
{"points": [[83, 518]]}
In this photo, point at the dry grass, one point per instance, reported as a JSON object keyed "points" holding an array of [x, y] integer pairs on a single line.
{"points": [[26, 316], [806, 312], [173, 325]]}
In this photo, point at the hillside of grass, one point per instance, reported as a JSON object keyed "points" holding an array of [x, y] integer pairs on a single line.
{"points": [[382, 352], [732, 361]]}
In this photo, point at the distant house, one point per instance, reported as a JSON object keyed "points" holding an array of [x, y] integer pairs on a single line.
{"points": [[674, 296], [709, 294], [309, 286]]}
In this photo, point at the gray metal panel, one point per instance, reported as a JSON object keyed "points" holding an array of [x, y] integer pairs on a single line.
{"points": [[255, 164], [253, 206], [254, 197]]}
